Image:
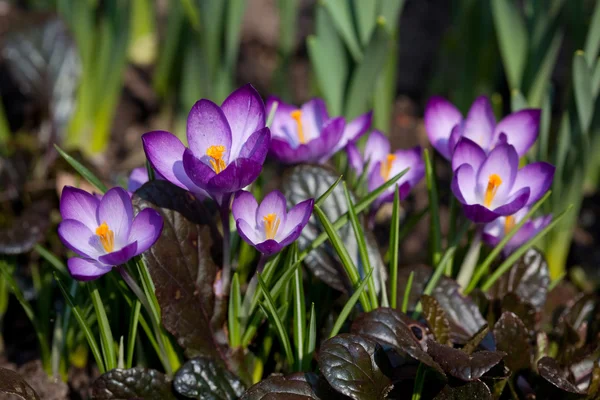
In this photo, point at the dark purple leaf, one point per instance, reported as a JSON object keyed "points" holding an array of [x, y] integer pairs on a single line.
{"points": [[436, 319], [134, 383], [26, 230], [468, 391], [512, 338], [528, 279], [203, 378], [594, 386], [526, 312], [549, 369], [183, 268], [390, 327], [461, 365], [351, 365], [319, 384], [311, 181], [474, 342], [280, 388], [12, 383], [422, 274]]}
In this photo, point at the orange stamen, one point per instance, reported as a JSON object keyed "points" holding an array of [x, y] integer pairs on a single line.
{"points": [[386, 166], [494, 182], [271, 225], [509, 224], [107, 237], [216, 153], [297, 116]]}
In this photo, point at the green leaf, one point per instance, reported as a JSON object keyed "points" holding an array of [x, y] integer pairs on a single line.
{"points": [[319, 201], [233, 314], [233, 27], [366, 13], [288, 21], [341, 14], [311, 338], [517, 101], [58, 265], [407, 289], [583, 89], [106, 337], [131, 337], [299, 317], [394, 249], [596, 80], [134, 383], [349, 306], [83, 171], [512, 39], [391, 10], [592, 41], [544, 73], [363, 81]]}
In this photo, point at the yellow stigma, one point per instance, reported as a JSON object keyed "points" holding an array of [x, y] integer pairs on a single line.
{"points": [[494, 182], [216, 153], [271, 225], [297, 116], [386, 167], [509, 224], [107, 237]]}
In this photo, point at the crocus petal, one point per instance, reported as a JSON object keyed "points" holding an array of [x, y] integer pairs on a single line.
{"points": [[196, 170], [120, 256], [245, 113], [268, 247], [115, 209], [314, 117], [538, 177], [355, 158], [331, 134], [79, 205], [292, 236], [376, 148], [248, 233], [298, 216], [244, 207], [502, 161], [479, 214], [467, 152], [490, 239], [285, 153], [145, 229], [165, 152], [520, 128], [411, 159], [514, 203], [137, 178], [77, 237], [457, 133], [236, 176], [464, 184], [480, 122], [257, 146], [207, 126], [355, 129], [283, 125], [273, 203], [86, 270], [440, 117]]}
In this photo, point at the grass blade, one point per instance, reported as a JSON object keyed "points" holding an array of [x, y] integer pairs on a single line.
{"points": [[512, 39], [349, 305], [133, 325], [106, 338], [83, 171], [233, 314], [58, 265], [394, 249], [311, 339], [407, 292], [325, 195], [299, 318]]}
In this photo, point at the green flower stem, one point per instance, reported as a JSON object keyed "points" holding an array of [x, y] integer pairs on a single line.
{"points": [[226, 271], [468, 266]]}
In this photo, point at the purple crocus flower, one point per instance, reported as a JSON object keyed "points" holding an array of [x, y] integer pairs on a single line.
{"points": [[269, 227], [495, 231], [383, 165], [445, 126], [491, 186], [308, 134], [104, 231], [228, 146]]}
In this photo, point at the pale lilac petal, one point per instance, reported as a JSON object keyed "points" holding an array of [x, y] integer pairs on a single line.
{"points": [[79, 238], [245, 113], [145, 229], [467, 152], [538, 177], [520, 128], [464, 184], [440, 117], [244, 207], [248, 233], [257, 146], [283, 125], [137, 178], [86, 270], [514, 202], [314, 117], [79, 205], [292, 236], [355, 158], [355, 129], [376, 149], [165, 152], [116, 210], [412, 159], [207, 126], [455, 136], [120, 256], [480, 122], [479, 214], [331, 134], [298, 216], [504, 162], [273, 203]]}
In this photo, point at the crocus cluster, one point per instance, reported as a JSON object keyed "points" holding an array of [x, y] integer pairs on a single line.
{"points": [[382, 164]]}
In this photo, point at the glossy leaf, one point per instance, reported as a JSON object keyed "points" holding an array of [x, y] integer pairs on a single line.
{"points": [[203, 378], [13, 384], [513, 338], [131, 383], [352, 365], [474, 342], [525, 311], [550, 370], [183, 269], [461, 365], [280, 388], [436, 319], [468, 391]]}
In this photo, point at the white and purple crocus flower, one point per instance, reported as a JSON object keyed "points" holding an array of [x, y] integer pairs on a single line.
{"points": [[269, 227], [104, 232], [495, 231], [384, 164], [492, 186], [445, 125], [227, 146], [309, 134]]}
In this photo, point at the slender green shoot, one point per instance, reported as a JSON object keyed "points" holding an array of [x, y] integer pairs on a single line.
{"points": [[233, 314], [407, 292], [83, 171], [394, 249], [339, 322]]}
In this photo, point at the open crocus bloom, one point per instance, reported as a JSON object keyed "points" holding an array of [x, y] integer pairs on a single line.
{"points": [[445, 126], [269, 227], [495, 231], [138, 177], [383, 165], [104, 232], [492, 186], [227, 146], [308, 134]]}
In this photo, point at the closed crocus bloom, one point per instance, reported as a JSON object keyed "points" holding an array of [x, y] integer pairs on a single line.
{"points": [[104, 231], [308, 134], [445, 126], [491, 186], [227, 146], [384, 165], [495, 231], [269, 227]]}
